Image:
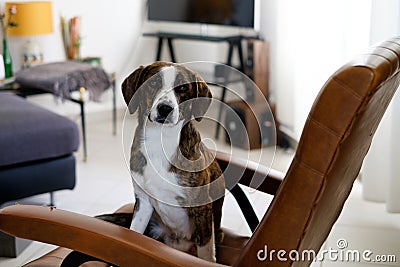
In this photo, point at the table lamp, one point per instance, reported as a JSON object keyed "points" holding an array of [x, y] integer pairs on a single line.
{"points": [[32, 18]]}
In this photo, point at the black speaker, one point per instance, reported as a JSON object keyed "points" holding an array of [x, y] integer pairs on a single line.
{"points": [[236, 134], [243, 130], [250, 127], [257, 66], [268, 129]]}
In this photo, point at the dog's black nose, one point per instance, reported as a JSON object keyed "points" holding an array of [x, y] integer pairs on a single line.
{"points": [[164, 110]]}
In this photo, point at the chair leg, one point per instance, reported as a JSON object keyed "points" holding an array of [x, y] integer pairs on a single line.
{"points": [[246, 207], [76, 259]]}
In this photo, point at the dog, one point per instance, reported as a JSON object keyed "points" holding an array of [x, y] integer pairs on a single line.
{"points": [[175, 176]]}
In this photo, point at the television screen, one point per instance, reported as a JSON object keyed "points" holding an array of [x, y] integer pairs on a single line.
{"points": [[238, 13]]}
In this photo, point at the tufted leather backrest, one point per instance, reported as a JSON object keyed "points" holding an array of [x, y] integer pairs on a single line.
{"points": [[335, 139]]}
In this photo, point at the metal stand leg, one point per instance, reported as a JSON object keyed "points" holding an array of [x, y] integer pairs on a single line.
{"points": [[52, 202], [159, 48], [114, 112], [171, 50], [170, 47], [240, 53], [220, 112], [238, 45], [230, 52], [82, 104]]}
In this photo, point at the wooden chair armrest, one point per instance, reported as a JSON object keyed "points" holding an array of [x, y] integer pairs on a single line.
{"points": [[252, 173], [91, 236]]}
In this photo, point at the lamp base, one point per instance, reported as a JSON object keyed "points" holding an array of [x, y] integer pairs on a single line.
{"points": [[32, 54]]}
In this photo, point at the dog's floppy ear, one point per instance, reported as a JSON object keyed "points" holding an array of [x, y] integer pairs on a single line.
{"points": [[130, 86], [199, 108]]}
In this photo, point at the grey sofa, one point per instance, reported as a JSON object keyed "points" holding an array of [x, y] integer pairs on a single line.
{"points": [[36, 149]]}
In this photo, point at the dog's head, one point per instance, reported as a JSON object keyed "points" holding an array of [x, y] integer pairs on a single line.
{"points": [[160, 91]]}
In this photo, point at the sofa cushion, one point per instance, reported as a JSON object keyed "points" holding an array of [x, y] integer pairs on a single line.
{"points": [[29, 132]]}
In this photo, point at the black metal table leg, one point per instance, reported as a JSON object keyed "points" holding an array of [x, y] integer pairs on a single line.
{"points": [[240, 53], [114, 111], [52, 199], [230, 52], [159, 48], [82, 105], [171, 50], [220, 112]]}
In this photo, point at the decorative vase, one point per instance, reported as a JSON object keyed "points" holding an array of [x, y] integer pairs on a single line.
{"points": [[7, 60]]}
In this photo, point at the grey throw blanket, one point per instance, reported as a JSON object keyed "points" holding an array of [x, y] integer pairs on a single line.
{"points": [[61, 78]]}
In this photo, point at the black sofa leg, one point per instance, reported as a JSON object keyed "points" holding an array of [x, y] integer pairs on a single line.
{"points": [[52, 202]]}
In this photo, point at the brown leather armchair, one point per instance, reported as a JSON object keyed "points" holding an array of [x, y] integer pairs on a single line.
{"points": [[308, 201]]}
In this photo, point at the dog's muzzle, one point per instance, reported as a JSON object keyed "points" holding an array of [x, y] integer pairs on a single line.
{"points": [[164, 114]]}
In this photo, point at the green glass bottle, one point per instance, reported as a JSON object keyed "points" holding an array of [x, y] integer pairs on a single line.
{"points": [[7, 60]]}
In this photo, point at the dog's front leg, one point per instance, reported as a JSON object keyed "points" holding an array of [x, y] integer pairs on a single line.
{"points": [[143, 211], [207, 252]]}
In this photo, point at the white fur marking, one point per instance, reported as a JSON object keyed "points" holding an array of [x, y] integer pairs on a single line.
{"points": [[144, 211], [169, 77], [175, 218], [160, 143], [166, 94], [207, 252]]}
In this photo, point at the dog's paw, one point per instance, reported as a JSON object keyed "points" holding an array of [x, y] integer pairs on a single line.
{"points": [[210, 258], [207, 252], [219, 236]]}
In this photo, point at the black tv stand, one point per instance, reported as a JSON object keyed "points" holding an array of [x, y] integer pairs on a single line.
{"points": [[234, 41]]}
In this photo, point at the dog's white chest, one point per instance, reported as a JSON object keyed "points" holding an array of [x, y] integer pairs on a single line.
{"points": [[159, 146]]}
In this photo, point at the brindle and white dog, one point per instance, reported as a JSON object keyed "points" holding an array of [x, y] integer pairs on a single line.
{"points": [[168, 160]]}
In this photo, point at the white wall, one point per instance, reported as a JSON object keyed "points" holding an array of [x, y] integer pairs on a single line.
{"points": [[310, 39], [380, 174]]}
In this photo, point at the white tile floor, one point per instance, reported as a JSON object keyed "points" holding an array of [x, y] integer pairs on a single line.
{"points": [[103, 185]]}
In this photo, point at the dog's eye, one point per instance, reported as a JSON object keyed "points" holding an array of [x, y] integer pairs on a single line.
{"points": [[153, 83], [181, 89]]}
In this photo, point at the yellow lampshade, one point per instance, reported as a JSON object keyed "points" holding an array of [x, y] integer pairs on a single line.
{"points": [[32, 18]]}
